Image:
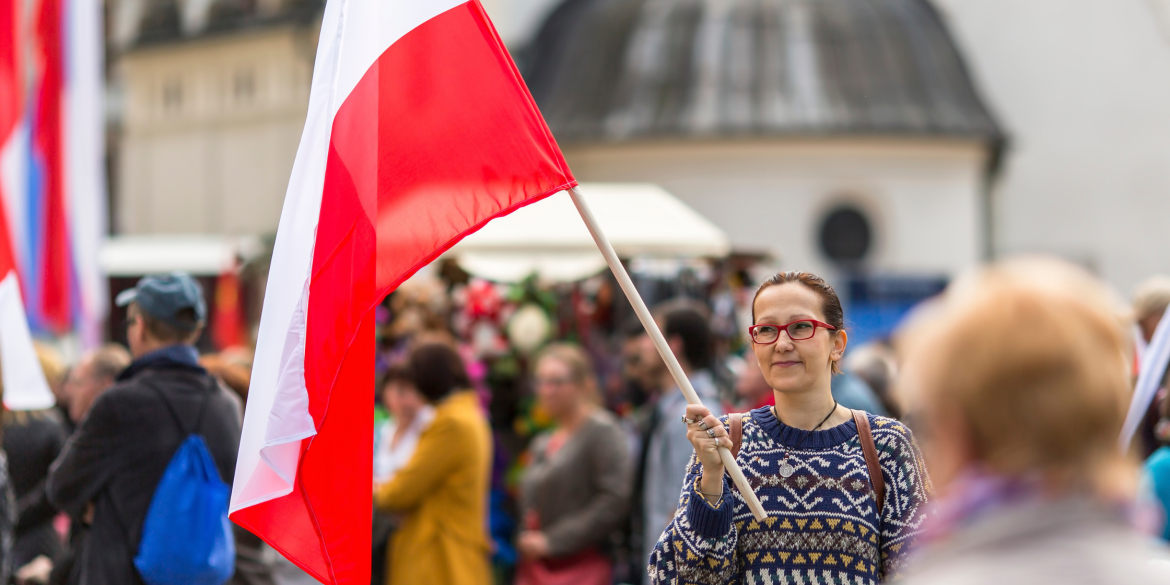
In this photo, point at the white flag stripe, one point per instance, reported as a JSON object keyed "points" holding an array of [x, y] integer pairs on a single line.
{"points": [[85, 177], [288, 420], [369, 27], [290, 266], [1153, 366], [354, 33], [25, 387]]}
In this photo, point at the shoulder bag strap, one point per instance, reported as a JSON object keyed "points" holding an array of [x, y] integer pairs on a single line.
{"points": [[871, 458], [175, 414], [736, 432]]}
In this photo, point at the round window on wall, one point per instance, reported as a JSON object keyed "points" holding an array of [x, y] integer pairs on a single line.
{"points": [[846, 236]]}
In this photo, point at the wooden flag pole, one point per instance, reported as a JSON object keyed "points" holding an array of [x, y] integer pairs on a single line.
{"points": [[660, 344]]}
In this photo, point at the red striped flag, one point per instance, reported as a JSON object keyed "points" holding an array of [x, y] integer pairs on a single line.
{"points": [[25, 387], [420, 130]]}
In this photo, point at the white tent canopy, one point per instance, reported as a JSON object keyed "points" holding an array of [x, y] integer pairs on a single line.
{"points": [[198, 254], [550, 239]]}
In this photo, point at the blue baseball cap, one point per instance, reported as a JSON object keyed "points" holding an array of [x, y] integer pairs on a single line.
{"points": [[163, 296]]}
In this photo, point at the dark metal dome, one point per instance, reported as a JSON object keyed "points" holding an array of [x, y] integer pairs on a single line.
{"points": [[614, 70], [161, 22]]}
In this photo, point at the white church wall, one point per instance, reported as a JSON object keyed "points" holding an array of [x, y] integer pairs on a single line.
{"points": [[1082, 89], [922, 197]]}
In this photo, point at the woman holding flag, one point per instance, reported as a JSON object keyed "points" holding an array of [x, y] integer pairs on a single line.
{"points": [[837, 511]]}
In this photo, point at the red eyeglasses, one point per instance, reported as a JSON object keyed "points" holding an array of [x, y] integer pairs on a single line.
{"points": [[797, 331]]}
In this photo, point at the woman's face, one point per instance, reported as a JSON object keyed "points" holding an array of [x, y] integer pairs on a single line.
{"points": [[557, 392], [794, 366], [402, 400]]}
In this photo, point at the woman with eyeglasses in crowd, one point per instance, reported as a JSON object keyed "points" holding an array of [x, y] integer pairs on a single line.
{"points": [[828, 522], [576, 489]]}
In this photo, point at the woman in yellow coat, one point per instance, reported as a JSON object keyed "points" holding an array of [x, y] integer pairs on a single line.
{"points": [[442, 492]]}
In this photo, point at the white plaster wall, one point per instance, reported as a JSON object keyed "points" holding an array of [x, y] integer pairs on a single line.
{"points": [[219, 162], [1083, 89], [923, 197]]}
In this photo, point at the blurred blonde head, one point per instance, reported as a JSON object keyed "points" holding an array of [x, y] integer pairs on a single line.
{"points": [[53, 365], [1021, 369], [1149, 303]]}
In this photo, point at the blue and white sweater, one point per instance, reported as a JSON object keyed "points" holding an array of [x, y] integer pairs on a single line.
{"points": [[822, 526]]}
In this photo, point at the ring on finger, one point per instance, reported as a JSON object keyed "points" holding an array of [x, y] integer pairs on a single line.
{"points": [[703, 425], [690, 421], [711, 433]]}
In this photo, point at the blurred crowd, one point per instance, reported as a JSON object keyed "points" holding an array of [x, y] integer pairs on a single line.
{"points": [[588, 458], [81, 475], [530, 434]]}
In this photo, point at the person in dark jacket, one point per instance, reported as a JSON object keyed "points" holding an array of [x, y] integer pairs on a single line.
{"points": [[7, 519], [107, 474], [93, 374], [32, 440]]}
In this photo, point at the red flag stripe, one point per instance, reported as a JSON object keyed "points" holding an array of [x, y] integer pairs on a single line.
{"points": [[11, 100], [55, 275], [11, 92]]}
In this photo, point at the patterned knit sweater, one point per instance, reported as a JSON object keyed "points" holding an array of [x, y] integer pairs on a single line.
{"points": [[822, 527]]}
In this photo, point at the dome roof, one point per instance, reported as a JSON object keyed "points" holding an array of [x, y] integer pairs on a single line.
{"points": [[615, 70], [162, 21]]}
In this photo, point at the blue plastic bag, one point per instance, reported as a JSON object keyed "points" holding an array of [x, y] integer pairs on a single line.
{"points": [[187, 537]]}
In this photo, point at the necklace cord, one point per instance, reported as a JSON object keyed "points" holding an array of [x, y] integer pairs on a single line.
{"points": [[786, 470], [776, 412]]}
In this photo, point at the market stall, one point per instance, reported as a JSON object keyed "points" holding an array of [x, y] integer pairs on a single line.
{"points": [[549, 239]]}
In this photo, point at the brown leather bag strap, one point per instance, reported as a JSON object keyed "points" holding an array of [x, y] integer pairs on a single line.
{"points": [[735, 419], [871, 458]]}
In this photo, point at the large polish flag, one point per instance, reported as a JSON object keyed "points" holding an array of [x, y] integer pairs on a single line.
{"points": [[419, 131], [25, 387]]}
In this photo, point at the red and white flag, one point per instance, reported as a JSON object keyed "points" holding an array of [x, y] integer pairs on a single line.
{"points": [[25, 387], [419, 131]]}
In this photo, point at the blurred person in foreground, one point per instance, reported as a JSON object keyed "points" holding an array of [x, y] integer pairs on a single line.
{"points": [[442, 491], [1019, 382], [394, 443], [8, 514], [233, 367], [829, 520], [665, 451], [1157, 469], [32, 440], [410, 414], [107, 474], [94, 373], [1150, 300], [36, 440], [56, 373], [751, 388], [575, 492], [875, 363]]}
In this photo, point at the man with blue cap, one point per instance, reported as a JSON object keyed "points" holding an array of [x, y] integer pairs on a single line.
{"points": [[107, 474]]}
